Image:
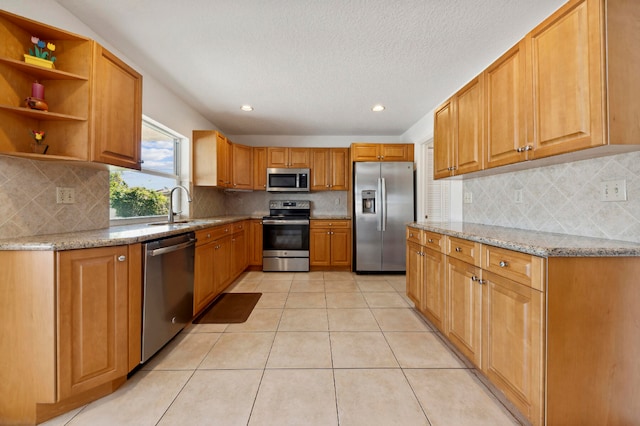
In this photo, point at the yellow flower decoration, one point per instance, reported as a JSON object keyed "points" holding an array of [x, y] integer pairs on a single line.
{"points": [[51, 47]]}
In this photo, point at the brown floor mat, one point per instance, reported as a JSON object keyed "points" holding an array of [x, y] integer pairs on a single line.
{"points": [[229, 308]]}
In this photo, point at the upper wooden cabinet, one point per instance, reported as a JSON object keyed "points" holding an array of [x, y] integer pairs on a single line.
{"points": [[505, 95], [94, 99], [381, 152], [330, 169], [568, 87], [260, 169], [458, 137], [295, 158], [219, 162]]}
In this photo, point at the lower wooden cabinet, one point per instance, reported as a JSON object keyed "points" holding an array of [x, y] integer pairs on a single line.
{"points": [[434, 268], [464, 309], [415, 271], [330, 244], [254, 242], [65, 316]]}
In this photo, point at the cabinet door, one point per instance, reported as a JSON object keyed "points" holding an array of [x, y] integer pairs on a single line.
{"points": [[222, 264], [259, 169], [396, 152], [469, 137], [505, 108], [255, 243], [566, 66], [320, 169], [277, 157], [513, 357], [299, 158], [320, 247], [464, 308], [340, 247], [443, 141], [365, 152], [203, 284], [414, 274], [339, 159], [116, 118], [434, 287], [242, 166], [92, 318], [223, 161], [239, 253]]}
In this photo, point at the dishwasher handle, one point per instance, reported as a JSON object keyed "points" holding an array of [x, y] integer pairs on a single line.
{"points": [[163, 250]]}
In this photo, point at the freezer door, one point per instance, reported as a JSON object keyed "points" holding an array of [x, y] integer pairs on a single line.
{"points": [[368, 237], [398, 211]]}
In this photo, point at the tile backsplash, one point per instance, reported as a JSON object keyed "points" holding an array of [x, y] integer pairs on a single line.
{"points": [[563, 198], [28, 197]]}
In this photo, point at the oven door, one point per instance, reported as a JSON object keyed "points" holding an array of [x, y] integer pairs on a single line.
{"points": [[285, 238]]}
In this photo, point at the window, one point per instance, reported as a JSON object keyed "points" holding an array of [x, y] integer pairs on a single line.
{"points": [[146, 193]]}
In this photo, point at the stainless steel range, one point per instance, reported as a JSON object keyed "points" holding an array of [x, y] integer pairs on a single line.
{"points": [[285, 236]]}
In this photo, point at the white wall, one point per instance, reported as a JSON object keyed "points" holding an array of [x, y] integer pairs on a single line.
{"points": [[313, 141]]}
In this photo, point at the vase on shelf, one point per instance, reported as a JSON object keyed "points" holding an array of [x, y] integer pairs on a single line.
{"points": [[39, 148], [34, 60]]}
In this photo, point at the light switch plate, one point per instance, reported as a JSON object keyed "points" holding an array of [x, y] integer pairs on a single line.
{"points": [[613, 190], [65, 195], [518, 197], [468, 197]]}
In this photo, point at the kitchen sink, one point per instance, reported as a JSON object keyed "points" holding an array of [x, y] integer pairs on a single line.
{"points": [[176, 222]]}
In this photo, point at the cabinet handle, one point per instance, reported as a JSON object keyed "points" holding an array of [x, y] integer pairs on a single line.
{"points": [[410, 235], [430, 240], [122, 258], [327, 186], [524, 148], [503, 264], [474, 278], [208, 235], [458, 250]]}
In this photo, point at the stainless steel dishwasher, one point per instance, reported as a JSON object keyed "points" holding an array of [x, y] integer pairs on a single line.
{"points": [[168, 290]]}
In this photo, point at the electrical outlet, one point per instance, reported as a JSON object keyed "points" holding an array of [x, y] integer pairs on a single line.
{"points": [[518, 198], [468, 197], [613, 190], [337, 202], [65, 195]]}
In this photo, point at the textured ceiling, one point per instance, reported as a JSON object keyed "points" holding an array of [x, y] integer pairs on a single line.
{"points": [[312, 67]]}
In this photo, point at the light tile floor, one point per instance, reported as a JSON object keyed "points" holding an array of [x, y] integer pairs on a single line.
{"points": [[330, 348]]}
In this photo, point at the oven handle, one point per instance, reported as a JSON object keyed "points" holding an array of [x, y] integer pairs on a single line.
{"points": [[284, 222], [169, 249]]}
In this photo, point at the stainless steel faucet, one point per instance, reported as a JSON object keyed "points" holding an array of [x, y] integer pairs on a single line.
{"points": [[171, 213]]}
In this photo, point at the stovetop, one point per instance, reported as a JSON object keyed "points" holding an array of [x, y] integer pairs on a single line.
{"points": [[289, 209]]}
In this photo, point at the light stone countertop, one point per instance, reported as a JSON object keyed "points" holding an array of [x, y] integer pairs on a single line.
{"points": [[543, 244], [330, 217], [112, 236]]}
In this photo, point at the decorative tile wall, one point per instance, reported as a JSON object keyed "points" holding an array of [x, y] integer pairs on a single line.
{"points": [[207, 202], [28, 198], [563, 198], [257, 203]]}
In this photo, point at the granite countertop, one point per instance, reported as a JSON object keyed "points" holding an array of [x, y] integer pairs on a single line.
{"points": [[330, 217], [543, 244], [112, 236]]}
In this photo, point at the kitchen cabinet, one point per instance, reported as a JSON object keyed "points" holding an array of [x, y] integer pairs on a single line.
{"points": [[415, 271], [330, 244], [259, 169], [65, 317], [294, 158], [330, 169], [566, 88], [238, 249], [434, 269], [459, 137], [505, 105], [233, 162], [362, 151], [241, 167], [203, 285], [255, 243], [94, 99]]}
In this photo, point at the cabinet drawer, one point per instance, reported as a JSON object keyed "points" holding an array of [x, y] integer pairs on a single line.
{"points": [[465, 250], [237, 227], [415, 235], [325, 223], [434, 241], [204, 236], [519, 267]]}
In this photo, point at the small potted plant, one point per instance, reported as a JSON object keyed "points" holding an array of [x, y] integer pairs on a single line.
{"points": [[41, 54], [38, 147]]}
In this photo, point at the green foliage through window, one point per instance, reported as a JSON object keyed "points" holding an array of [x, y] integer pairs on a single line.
{"points": [[135, 201]]}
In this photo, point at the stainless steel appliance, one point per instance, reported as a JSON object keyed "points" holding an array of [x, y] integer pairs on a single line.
{"points": [[168, 290], [383, 199], [287, 180], [285, 236]]}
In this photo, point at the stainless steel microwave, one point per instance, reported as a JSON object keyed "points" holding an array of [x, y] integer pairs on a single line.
{"points": [[287, 180]]}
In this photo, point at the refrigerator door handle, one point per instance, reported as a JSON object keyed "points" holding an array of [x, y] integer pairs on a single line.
{"points": [[379, 224], [383, 204]]}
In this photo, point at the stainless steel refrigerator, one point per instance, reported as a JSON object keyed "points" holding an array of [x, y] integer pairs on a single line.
{"points": [[383, 199]]}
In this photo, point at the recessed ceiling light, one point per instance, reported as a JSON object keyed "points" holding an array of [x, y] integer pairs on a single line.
{"points": [[246, 108], [377, 108]]}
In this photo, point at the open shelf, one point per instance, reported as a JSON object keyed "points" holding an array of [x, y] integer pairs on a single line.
{"points": [[42, 73], [41, 115]]}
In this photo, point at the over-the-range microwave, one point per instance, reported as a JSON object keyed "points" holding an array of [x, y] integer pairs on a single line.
{"points": [[287, 180]]}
